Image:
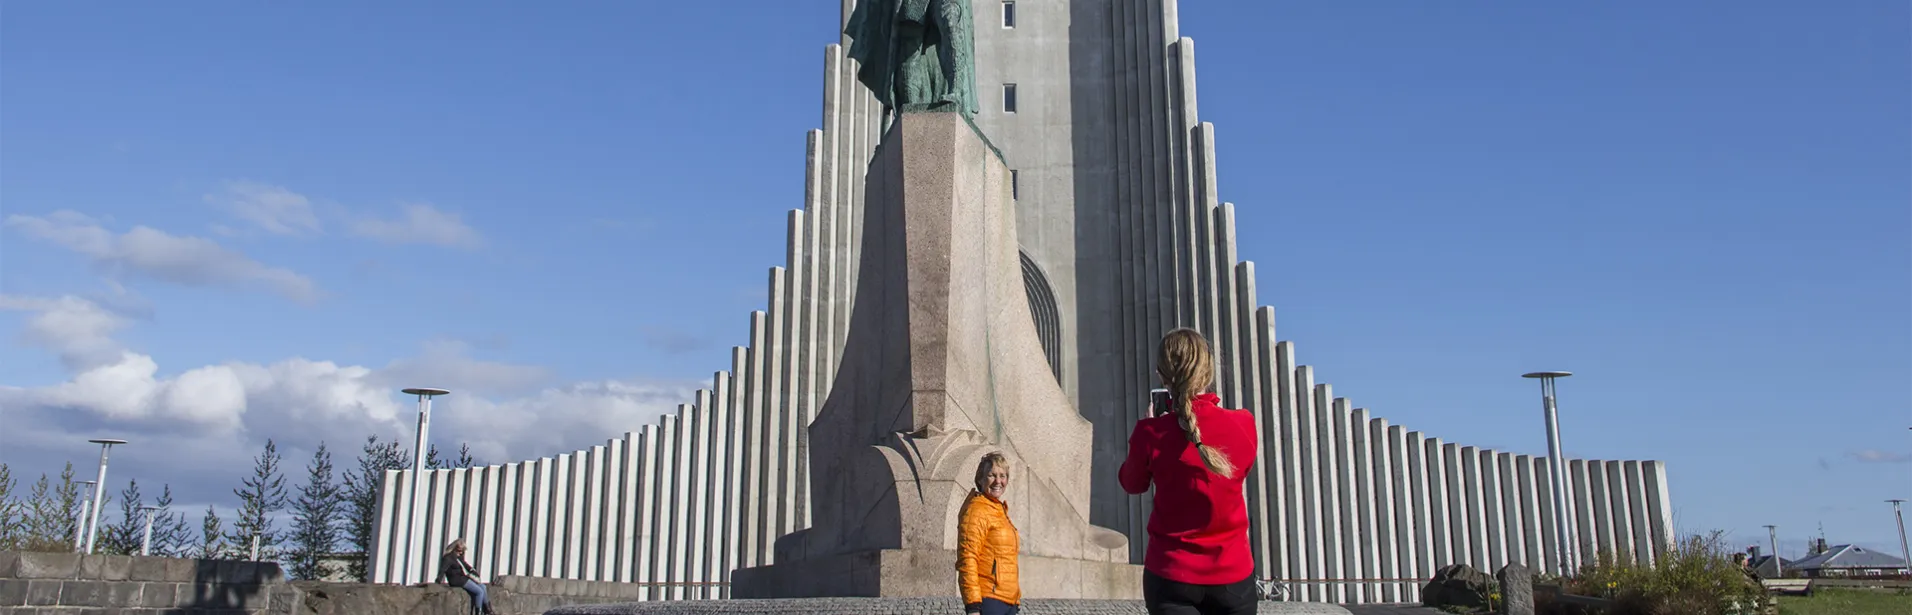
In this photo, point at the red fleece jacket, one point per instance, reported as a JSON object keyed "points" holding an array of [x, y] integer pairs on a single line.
{"points": [[1198, 530]]}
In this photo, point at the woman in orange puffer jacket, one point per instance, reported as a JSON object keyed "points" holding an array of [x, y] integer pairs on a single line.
{"points": [[986, 544]]}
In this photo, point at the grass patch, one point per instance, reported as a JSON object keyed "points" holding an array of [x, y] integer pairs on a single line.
{"points": [[1846, 602]]}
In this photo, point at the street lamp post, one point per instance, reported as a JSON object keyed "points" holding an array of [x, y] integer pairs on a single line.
{"points": [[1900, 517], [79, 524], [1557, 469], [1779, 565], [415, 556], [146, 544], [99, 492]]}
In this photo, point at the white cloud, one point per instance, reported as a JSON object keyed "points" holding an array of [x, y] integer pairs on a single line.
{"points": [[1872, 456], [190, 261], [78, 330], [419, 223], [196, 428], [271, 208]]}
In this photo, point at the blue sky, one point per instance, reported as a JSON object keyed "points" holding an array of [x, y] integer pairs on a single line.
{"points": [[566, 212]]}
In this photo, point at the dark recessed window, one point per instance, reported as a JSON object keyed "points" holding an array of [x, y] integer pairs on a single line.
{"points": [[1009, 98], [1015, 189], [1008, 14]]}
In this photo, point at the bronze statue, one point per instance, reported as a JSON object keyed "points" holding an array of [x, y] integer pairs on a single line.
{"points": [[916, 55]]}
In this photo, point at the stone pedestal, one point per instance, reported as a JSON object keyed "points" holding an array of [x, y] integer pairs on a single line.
{"points": [[941, 365]]}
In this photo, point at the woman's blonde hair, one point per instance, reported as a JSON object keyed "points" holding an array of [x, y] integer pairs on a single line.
{"points": [[454, 546], [990, 462], [1188, 369]]}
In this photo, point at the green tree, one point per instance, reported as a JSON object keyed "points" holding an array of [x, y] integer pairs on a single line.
{"points": [[464, 457], [13, 516], [360, 494], [316, 516], [212, 544], [172, 537], [53, 513], [262, 495], [124, 537]]}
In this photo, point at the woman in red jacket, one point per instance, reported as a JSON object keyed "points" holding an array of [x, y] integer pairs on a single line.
{"points": [[1196, 454]]}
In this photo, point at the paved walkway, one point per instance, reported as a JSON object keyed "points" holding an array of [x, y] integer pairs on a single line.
{"points": [[944, 606]]}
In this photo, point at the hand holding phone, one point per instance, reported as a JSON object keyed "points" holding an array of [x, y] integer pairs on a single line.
{"points": [[1160, 402]]}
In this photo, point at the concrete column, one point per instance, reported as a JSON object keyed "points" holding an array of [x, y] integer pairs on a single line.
{"points": [[1602, 508], [540, 518], [1659, 507], [484, 533], [1326, 449], [1617, 505], [610, 509], [755, 423], [630, 496], [1313, 527], [1348, 495], [1410, 511], [1580, 511], [379, 564], [1636, 511], [1459, 514], [436, 517], [564, 522], [524, 546], [1277, 490], [1387, 501], [717, 497], [1441, 516], [588, 533], [1368, 540], [1532, 547], [697, 470], [504, 533], [649, 478], [1512, 498], [776, 487], [1295, 478], [1491, 537]]}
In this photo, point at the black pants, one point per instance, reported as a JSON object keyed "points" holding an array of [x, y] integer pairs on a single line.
{"points": [[1165, 597]]}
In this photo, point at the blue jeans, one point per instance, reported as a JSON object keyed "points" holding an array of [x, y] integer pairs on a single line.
{"points": [[478, 602], [992, 606]]}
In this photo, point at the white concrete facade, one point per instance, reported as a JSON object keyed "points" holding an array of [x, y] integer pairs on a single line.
{"points": [[1118, 206]]}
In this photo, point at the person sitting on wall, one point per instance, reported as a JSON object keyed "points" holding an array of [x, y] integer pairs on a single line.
{"points": [[1196, 454], [459, 573], [986, 544]]}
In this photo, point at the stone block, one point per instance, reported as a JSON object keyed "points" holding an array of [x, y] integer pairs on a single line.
{"points": [[84, 593], [158, 595], [284, 598], [13, 592], [125, 594], [43, 592], [47, 566], [105, 567], [9, 564], [1516, 590]]}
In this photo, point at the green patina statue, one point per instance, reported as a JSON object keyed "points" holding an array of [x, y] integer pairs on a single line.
{"points": [[916, 55]]}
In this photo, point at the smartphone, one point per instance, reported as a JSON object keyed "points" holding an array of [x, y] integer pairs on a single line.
{"points": [[1163, 403]]}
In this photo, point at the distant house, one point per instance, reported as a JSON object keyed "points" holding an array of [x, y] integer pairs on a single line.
{"points": [[1848, 561], [1763, 566]]}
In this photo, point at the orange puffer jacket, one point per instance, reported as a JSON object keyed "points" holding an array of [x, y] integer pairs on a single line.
{"points": [[986, 546]]}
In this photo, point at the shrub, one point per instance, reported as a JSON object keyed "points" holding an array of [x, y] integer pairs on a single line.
{"points": [[1696, 577]]}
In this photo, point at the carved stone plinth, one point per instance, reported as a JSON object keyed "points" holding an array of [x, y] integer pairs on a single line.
{"points": [[941, 365]]}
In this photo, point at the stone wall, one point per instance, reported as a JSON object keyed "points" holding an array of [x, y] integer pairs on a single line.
{"points": [[74, 584], [63, 583]]}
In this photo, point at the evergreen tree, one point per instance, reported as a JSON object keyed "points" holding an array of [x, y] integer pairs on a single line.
{"points": [[53, 513], [124, 538], [360, 495], [13, 517], [316, 516], [212, 544], [432, 460], [172, 537], [262, 495], [464, 457]]}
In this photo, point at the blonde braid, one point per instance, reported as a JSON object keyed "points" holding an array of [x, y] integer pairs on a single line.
{"points": [[1188, 369]]}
